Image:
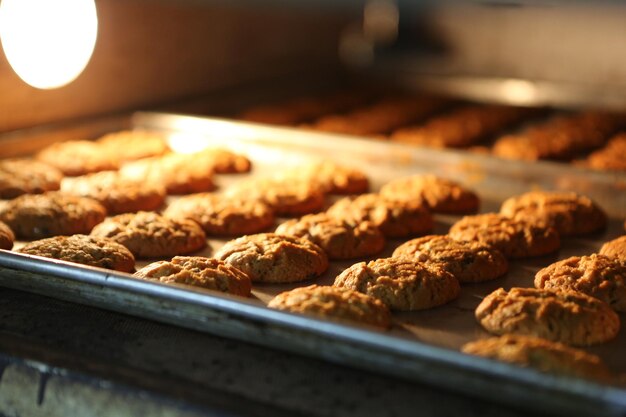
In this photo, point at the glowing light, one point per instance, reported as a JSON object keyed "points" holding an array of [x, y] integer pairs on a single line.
{"points": [[48, 42], [187, 142]]}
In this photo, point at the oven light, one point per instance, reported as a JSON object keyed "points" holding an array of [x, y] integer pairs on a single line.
{"points": [[48, 42]]}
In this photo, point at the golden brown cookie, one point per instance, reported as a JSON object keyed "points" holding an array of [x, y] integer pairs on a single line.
{"points": [[611, 157], [286, 196], [221, 215], [334, 303], [467, 261], [178, 173], [6, 236], [224, 161], [334, 178], [198, 271], [401, 283], [129, 145], [395, 218], [340, 239], [149, 235], [542, 355], [569, 213], [27, 176], [116, 193], [439, 194], [615, 248], [596, 275], [514, 238], [35, 216], [268, 257], [568, 317], [83, 249], [79, 157]]}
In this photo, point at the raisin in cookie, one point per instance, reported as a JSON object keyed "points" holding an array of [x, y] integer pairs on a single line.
{"points": [[83, 249], [395, 218], [340, 239], [268, 257], [340, 304], [542, 355], [596, 275], [198, 271], [150, 235], [117, 194], [439, 194], [615, 248], [79, 157], [568, 316], [35, 216], [467, 261], [401, 283], [27, 176], [569, 213], [221, 215], [514, 238], [6, 236]]}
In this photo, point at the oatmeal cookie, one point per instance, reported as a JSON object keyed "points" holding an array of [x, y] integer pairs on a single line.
{"points": [[83, 249], [439, 194], [569, 213], [268, 257], [286, 196], [340, 239], [224, 161], [541, 354], [335, 303], [35, 216], [567, 316], [129, 145], [116, 193], [395, 218], [615, 248], [27, 176], [611, 157], [223, 216], [149, 235], [401, 283], [514, 238], [6, 236], [79, 157], [467, 261], [198, 271], [596, 275], [334, 178]]}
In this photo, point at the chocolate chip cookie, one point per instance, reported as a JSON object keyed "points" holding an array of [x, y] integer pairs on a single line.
{"points": [[467, 261], [27, 176], [268, 257], [198, 271]]}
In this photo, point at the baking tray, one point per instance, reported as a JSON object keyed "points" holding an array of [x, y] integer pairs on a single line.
{"points": [[421, 346]]}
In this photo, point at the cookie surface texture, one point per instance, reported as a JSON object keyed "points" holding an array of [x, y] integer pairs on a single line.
{"points": [[27, 176], [78, 157], [615, 248]]}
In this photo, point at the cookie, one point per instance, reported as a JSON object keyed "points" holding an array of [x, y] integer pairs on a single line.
{"points": [[6, 236], [224, 161], [467, 261], [615, 248], [334, 178], [116, 193], [334, 303], [223, 216], [611, 157], [395, 218], [340, 239], [286, 196], [569, 213], [178, 173], [149, 235], [198, 271], [35, 216], [27, 176], [439, 194], [514, 238], [268, 257], [540, 354], [79, 157], [568, 317], [596, 275], [401, 283], [129, 145], [83, 249]]}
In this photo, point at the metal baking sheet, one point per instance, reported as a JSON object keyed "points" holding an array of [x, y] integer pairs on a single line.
{"points": [[421, 346]]}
